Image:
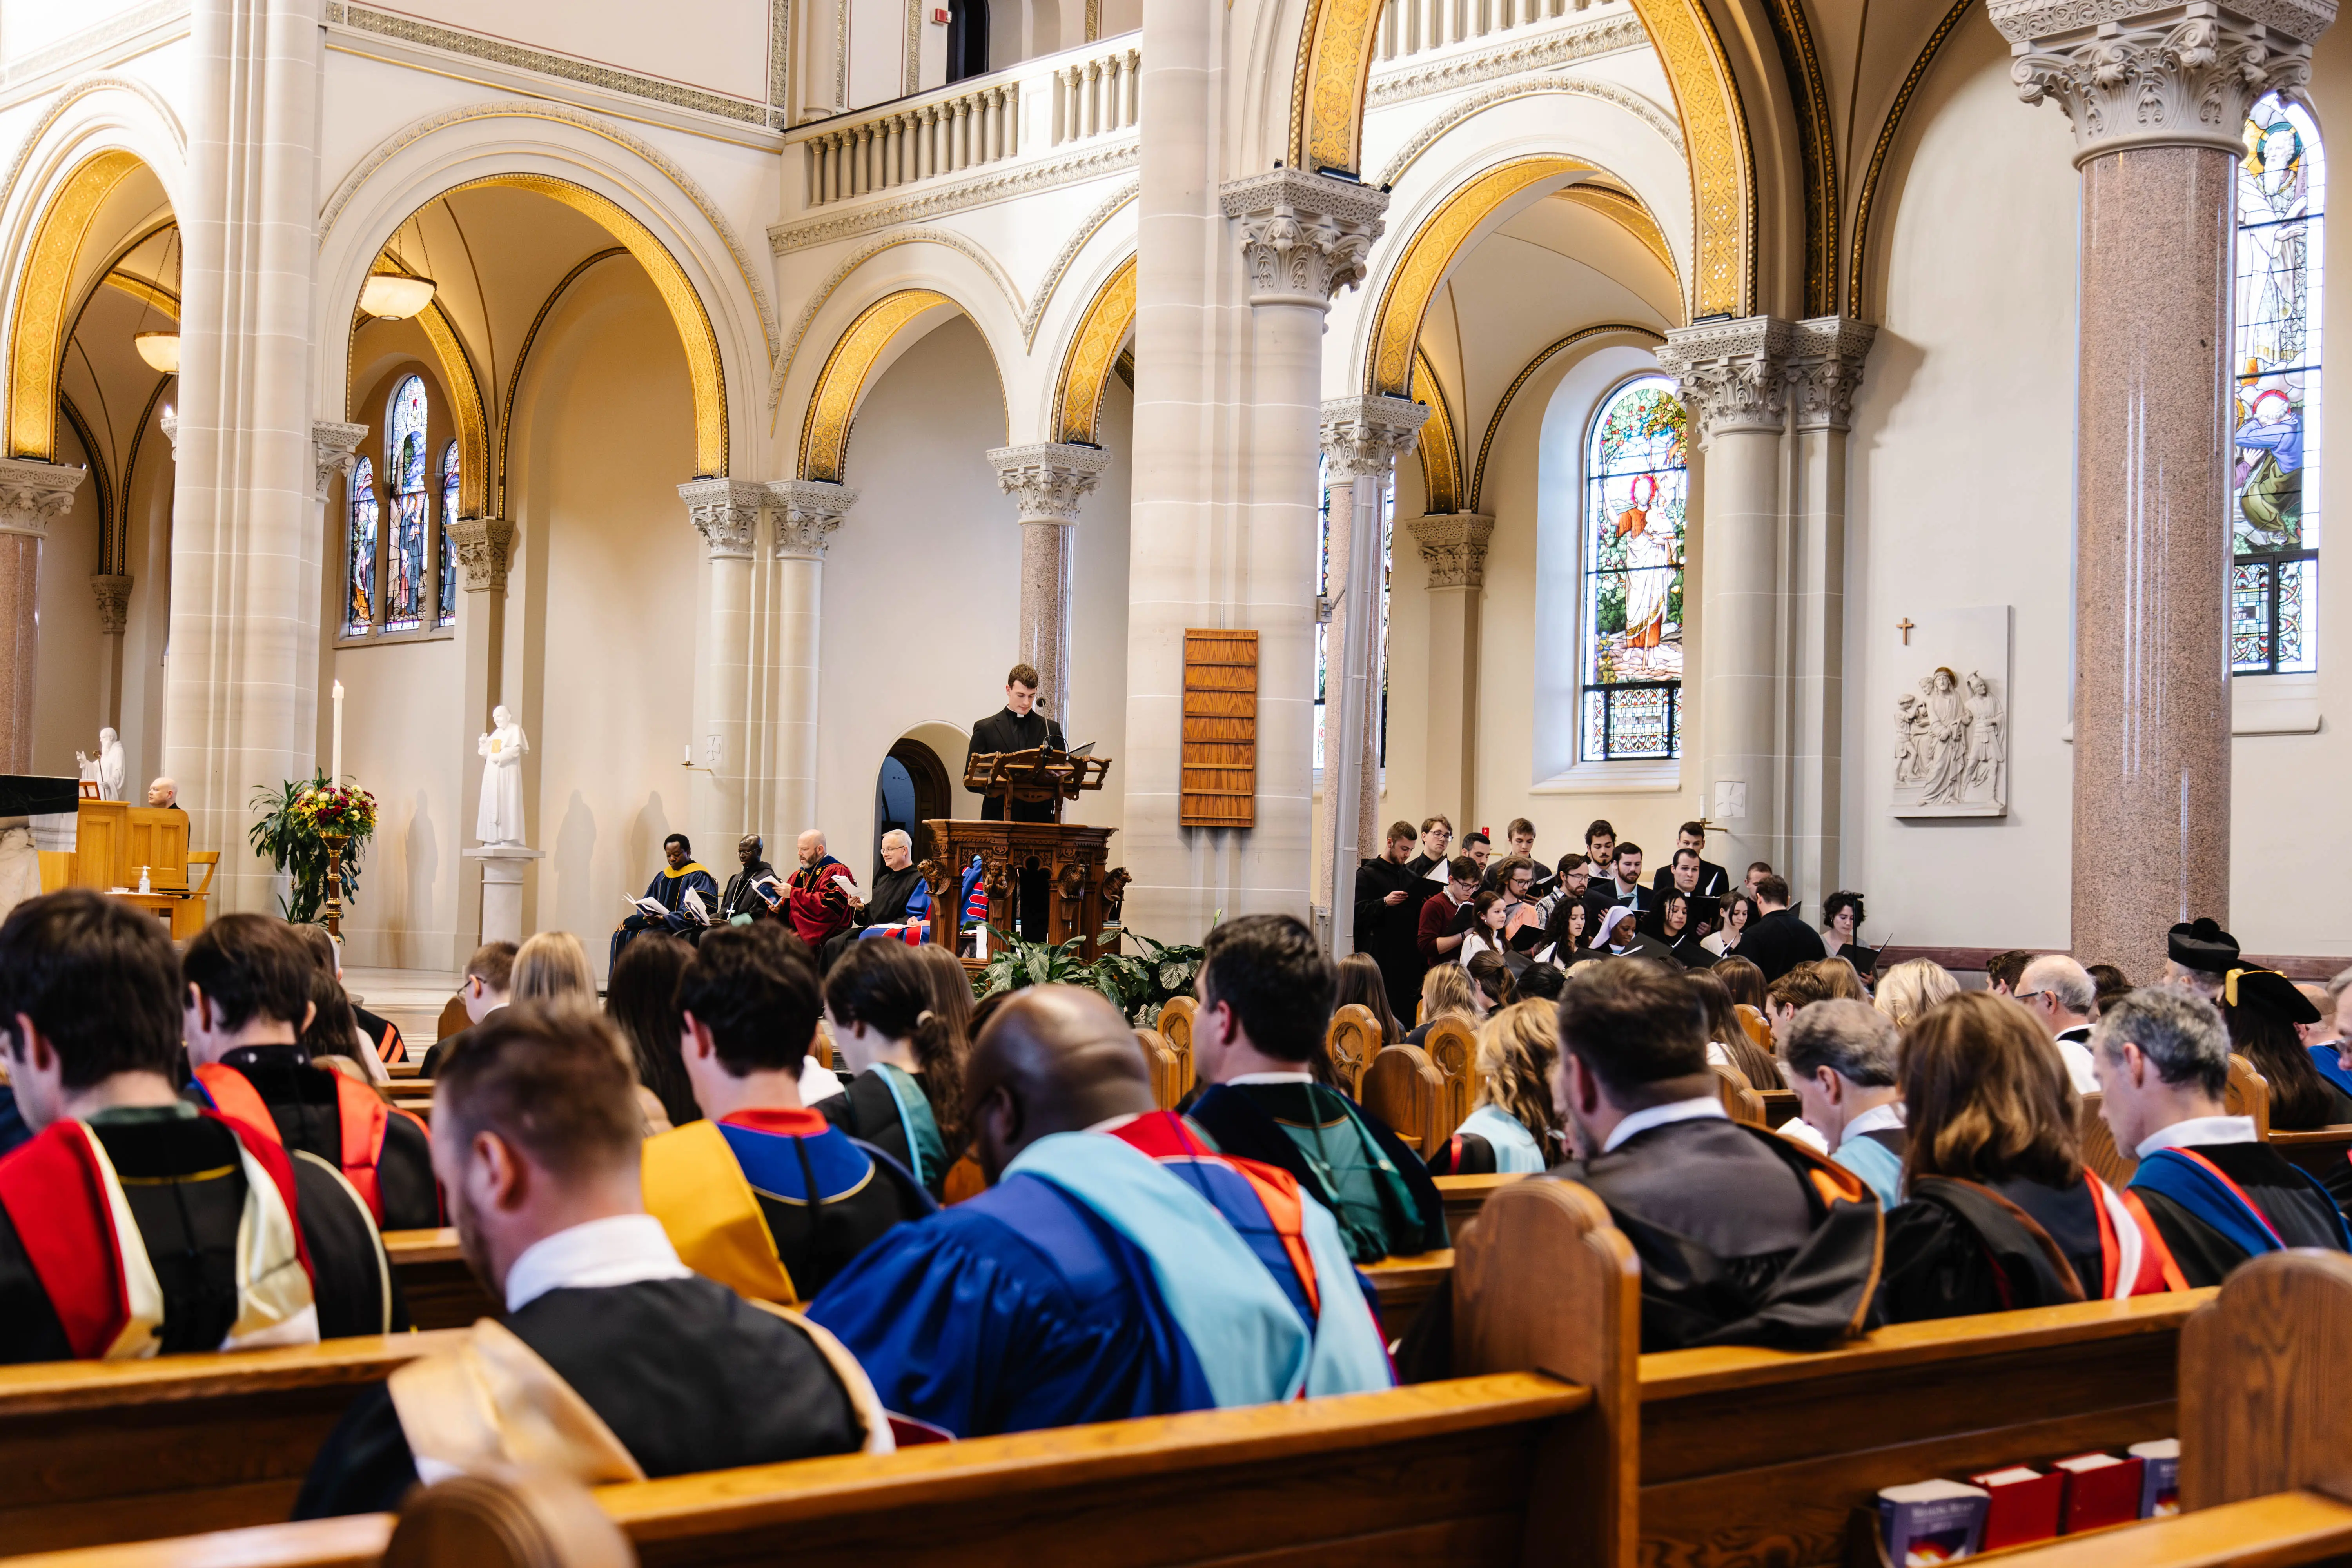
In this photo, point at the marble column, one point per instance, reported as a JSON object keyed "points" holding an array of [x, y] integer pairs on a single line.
{"points": [[489, 909], [726, 512], [247, 548], [1734, 381], [1453, 550], [33, 494], [1049, 479], [1825, 359], [787, 609], [1362, 439], [2159, 97]]}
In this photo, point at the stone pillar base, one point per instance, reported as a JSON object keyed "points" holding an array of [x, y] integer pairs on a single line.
{"points": [[503, 869]]}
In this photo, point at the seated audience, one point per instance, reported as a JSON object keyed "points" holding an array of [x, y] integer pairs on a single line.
{"points": [[1842, 916], [900, 905], [2263, 1012], [535, 1138], [642, 1002], [2320, 1031], [1911, 988], [1444, 990], [1514, 1128], [905, 1098], [1727, 1041], [332, 1038], [766, 1195], [682, 874], [1841, 1059], [552, 966], [1540, 983], [1744, 1238], [377, 1038], [1490, 912], [1362, 985], [2334, 1061], [1265, 998], [2111, 982], [2003, 971], [488, 973], [1737, 913], [1797, 989], [2061, 995], [1090, 1282], [2217, 1194], [248, 999], [1742, 979], [1777, 941], [1445, 918], [1839, 980], [1490, 983], [240, 1244], [2002, 1214], [2199, 954], [1388, 896]]}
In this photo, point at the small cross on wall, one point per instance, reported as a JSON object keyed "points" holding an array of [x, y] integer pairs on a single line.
{"points": [[1904, 625]]}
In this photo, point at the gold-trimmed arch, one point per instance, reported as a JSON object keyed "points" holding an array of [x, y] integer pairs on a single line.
{"points": [[1327, 128], [1093, 349], [1626, 211], [1527, 372], [458, 379], [825, 430], [36, 336], [1441, 452], [1431, 254]]}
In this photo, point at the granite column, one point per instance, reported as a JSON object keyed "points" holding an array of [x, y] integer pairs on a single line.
{"points": [[1049, 479]]}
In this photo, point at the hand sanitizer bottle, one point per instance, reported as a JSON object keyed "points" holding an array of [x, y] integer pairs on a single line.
{"points": [[142, 880]]}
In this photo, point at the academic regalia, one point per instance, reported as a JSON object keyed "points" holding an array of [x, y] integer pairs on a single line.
{"points": [[14, 1132], [668, 888], [901, 897], [2217, 1205], [1377, 1189], [663, 1377], [741, 898], [383, 1034], [2327, 1058], [1778, 943], [735, 1198], [1388, 931], [818, 908], [884, 1108], [385, 1153], [1294, 1237], [1005, 731], [1959, 1247], [126, 1235], [1089, 1284], [1490, 1141], [1877, 1156]]}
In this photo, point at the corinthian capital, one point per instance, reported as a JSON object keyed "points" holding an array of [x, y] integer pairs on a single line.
{"points": [[1733, 375], [33, 494], [113, 592], [2132, 75], [1305, 236], [1825, 367], [807, 511], [726, 512], [334, 446], [1454, 548], [1364, 436], [483, 546], [1049, 479]]}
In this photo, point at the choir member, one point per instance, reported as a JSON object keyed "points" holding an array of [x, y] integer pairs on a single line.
{"points": [[1389, 895]]}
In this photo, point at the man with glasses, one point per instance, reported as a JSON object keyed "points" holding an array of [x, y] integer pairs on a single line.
{"points": [[2061, 995]]}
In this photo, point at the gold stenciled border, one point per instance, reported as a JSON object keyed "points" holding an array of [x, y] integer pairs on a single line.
{"points": [[1094, 348], [1858, 259], [1431, 253], [37, 335], [1494, 421], [1800, 64], [1440, 455], [825, 431]]}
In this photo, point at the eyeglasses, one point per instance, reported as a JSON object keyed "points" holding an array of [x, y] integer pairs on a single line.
{"points": [[2028, 995]]}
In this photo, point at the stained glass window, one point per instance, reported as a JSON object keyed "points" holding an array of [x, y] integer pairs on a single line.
{"points": [[1636, 478], [1324, 586], [449, 551], [359, 575], [2274, 483], [404, 468]]}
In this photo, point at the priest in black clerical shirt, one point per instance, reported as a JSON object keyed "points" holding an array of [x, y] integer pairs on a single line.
{"points": [[1019, 727], [740, 898]]}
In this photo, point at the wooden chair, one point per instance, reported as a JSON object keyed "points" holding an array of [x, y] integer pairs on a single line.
{"points": [[1452, 1045], [1405, 1093], [1175, 1026], [1759, 1028], [1167, 1068], [1740, 1102], [1352, 1041]]}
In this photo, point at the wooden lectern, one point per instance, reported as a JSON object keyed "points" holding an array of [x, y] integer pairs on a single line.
{"points": [[1074, 857], [113, 839]]}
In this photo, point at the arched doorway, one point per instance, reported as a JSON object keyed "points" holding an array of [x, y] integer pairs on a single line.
{"points": [[913, 788]]}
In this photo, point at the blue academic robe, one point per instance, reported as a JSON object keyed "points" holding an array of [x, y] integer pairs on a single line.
{"points": [[668, 889]]}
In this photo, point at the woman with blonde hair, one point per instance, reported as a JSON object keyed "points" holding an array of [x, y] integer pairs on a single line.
{"points": [[551, 964], [1445, 989], [1913, 987], [1515, 1128]]}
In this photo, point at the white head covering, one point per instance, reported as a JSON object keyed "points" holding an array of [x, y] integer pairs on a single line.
{"points": [[1618, 915]]}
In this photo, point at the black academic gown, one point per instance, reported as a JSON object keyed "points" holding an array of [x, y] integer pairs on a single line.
{"points": [[382, 1033], [1778, 943], [1955, 1249], [892, 892], [688, 1375], [740, 899], [1388, 931], [185, 1184], [1005, 731], [1241, 1118], [301, 1101], [2296, 1205]]}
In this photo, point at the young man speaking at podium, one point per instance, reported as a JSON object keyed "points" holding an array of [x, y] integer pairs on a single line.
{"points": [[1019, 727]]}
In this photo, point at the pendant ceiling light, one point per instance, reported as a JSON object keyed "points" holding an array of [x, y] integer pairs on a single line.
{"points": [[160, 349], [396, 297]]}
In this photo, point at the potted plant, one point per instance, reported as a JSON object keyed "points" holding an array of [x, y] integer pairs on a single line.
{"points": [[307, 829]]}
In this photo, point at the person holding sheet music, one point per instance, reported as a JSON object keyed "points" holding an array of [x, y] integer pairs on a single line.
{"points": [[665, 906], [748, 889], [822, 893]]}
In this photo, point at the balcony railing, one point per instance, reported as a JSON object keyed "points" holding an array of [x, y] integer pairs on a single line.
{"points": [[1412, 26], [1097, 96]]}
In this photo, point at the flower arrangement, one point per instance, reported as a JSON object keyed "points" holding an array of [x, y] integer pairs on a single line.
{"points": [[290, 834], [345, 809]]}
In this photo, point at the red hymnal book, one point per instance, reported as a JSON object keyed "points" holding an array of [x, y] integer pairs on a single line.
{"points": [[2025, 1504], [2101, 1489]]}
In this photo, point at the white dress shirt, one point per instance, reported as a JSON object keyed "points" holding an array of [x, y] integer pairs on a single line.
{"points": [[2199, 1129], [1877, 1119], [1694, 1109], [625, 1250], [1270, 1078]]}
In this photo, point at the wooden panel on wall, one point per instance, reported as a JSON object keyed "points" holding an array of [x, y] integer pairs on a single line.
{"points": [[1220, 729]]}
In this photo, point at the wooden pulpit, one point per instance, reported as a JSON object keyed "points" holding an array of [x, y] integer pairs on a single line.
{"points": [[1075, 859]]}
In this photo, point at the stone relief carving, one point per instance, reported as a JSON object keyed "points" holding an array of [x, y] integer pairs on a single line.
{"points": [[1951, 749]]}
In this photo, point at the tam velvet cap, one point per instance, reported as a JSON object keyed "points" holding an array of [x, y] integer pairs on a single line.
{"points": [[2202, 945]]}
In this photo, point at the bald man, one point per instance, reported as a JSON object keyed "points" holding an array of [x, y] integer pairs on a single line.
{"points": [[1089, 1282]]}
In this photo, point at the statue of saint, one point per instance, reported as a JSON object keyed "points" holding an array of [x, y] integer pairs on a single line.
{"points": [[107, 770], [500, 820]]}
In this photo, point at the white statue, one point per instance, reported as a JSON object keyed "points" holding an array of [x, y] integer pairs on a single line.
{"points": [[499, 821], [107, 770]]}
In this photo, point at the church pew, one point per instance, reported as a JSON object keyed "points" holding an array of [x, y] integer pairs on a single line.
{"points": [[1465, 1195], [104, 1451], [1404, 1091], [1352, 1039], [1452, 1046], [2322, 1151], [1175, 1026], [1740, 1102], [441, 1291], [1405, 1285], [1167, 1068], [1779, 1105]]}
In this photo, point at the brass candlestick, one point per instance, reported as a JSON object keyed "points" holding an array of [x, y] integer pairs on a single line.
{"points": [[334, 843]]}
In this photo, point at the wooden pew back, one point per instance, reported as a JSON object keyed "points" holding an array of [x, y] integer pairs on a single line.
{"points": [[2261, 1383], [1404, 1091], [1167, 1068], [2113, 1165], [1452, 1045], [1353, 1038], [2249, 1094], [1740, 1102], [1175, 1026]]}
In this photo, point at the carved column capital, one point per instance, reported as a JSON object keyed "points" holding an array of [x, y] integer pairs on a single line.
{"points": [[33, 493], [334, 446], [1364, 436], [113, 592], [1825, 368], [726, 512], [169, 422], [1048, 479], [2129, 73], [807, 511], [1303, 236], [1733, 375], [484, 545], [1454, 546]]}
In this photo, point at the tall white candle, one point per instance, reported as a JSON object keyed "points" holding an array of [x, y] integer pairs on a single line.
{"points": [[335, 772]]}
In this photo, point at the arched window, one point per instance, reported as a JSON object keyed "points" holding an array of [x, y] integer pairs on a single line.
{"points": [[1329, 589], [404, 468], [2274, 483], [1636, 478], [449, 550], [359, 575]]}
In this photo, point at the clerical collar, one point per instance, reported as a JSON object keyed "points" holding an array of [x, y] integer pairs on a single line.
{"points": [[1269, 1078], [1877, 1119], [622, 1249], [2198, 1131], [1695, 1109]]}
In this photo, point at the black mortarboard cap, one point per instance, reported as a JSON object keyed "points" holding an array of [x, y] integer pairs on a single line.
{"points": [[2201, 944], [2268, 991]]}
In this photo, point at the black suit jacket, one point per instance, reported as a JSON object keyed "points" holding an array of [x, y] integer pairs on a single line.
{"points": [[1714, 881], [1004, 730], [1778, 943]]}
